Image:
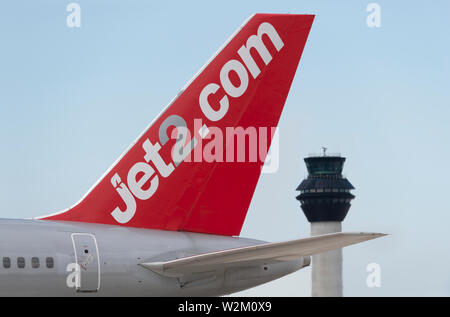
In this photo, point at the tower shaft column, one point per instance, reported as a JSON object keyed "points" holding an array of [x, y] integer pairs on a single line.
{"points": [[327, 266]]}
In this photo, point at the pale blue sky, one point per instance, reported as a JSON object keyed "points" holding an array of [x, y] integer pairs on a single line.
{"points": [[71, 100]]}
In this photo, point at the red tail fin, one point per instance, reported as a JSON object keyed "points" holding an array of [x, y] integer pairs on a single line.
{"points": [[176, 176]]}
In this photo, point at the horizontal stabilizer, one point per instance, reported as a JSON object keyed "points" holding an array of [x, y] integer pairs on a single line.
{"points": [[268, 252]]}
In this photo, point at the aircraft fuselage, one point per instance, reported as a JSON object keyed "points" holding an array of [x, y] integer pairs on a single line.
{"points": [[46, 258]]}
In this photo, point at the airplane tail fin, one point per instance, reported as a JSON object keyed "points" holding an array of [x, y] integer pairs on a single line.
{"points": [[196, 167]]}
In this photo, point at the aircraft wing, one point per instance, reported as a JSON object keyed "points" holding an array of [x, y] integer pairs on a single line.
{"points": [[268, 252]]}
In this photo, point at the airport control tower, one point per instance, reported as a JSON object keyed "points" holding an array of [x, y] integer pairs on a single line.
{"points": [[325, 199]]}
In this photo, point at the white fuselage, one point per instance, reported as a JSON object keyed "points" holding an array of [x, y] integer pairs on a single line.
{"points": [[46, 258]]}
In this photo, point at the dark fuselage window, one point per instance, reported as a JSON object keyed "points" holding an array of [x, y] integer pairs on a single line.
{"points": [[34, 262], [20, 262], [49, 262], [6, 262]]}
